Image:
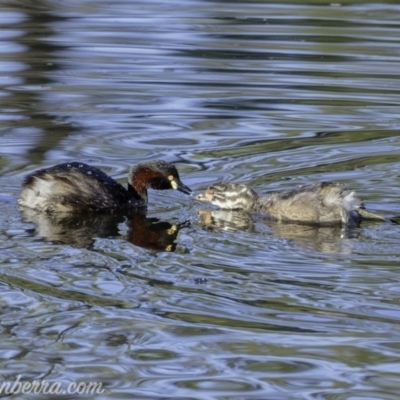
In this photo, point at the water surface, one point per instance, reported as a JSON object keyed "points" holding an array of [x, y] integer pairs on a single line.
{"points": [[189, 302]]}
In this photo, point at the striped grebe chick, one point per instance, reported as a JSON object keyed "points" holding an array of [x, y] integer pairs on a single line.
{"points": [[78, 187], [323, 203]]}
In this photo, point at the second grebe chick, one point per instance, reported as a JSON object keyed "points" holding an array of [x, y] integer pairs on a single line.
{"points": [[323, 203], [78, 187]]}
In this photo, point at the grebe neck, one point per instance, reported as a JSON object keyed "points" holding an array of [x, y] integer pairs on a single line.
{"points": [[136, 196]]}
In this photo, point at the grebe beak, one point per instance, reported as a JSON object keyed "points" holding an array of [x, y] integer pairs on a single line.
{"points": [[178, 185], [201, 197]]}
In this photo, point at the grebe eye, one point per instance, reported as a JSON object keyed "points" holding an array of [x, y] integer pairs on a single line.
{"points": [[174, 184]]}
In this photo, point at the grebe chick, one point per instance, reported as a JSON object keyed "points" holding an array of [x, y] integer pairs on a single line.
{"points": [[78, 187], [323, 203]]}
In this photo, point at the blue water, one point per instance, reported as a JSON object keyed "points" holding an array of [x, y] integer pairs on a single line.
{"points": [[190, 302]]}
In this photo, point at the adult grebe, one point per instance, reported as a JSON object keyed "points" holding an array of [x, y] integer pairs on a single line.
{"points": [[323, 203], [78, 187]]}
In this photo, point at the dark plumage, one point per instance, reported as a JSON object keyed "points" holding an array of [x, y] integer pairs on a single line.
{"points": [[78, 187]]}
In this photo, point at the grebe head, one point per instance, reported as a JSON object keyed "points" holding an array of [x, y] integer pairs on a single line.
{"points": [[232, 196], [156, 174]]}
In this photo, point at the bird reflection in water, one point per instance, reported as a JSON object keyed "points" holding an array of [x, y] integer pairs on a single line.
{"points": [[325, 239], [152, 233], [235, 220], [82, 230]]}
